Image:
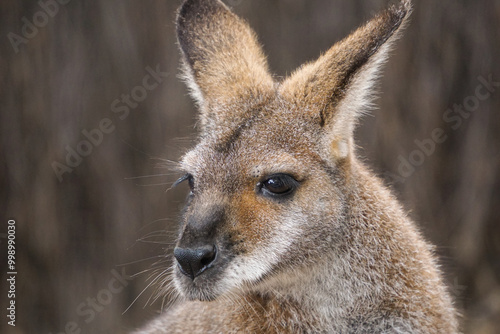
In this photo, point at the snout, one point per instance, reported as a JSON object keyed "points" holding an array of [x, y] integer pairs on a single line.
{"points": [[194, 261]]}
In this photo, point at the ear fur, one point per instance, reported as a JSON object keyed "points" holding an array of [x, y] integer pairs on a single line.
{"points": [[222, 60], [337, 88]]}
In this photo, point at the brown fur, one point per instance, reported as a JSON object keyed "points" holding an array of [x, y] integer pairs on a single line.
{"points": [[338, 255]]}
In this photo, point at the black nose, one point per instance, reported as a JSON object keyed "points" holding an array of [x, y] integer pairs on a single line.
{"points": [[192, 262]]}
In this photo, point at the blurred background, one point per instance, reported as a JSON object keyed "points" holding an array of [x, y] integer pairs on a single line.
{"points": [[92, 114]]}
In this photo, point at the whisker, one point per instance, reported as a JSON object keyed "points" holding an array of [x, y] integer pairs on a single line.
{"points": [[154, 221], [160, 233], [156, 279], [138, 150], [147, 176], [156, 242], [140, 294], [153, 237], [165, 288], [139, 261], [143, 272], [153, 184]]}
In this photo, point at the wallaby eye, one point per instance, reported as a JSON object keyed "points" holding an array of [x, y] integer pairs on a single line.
{"points": [[191, 182], [278, 185]]}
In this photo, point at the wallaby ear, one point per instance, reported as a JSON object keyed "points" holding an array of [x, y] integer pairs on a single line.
{"points": [[222, 60], [338, 87]]}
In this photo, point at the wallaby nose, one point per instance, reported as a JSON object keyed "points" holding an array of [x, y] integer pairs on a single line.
{"points": [[193, 262]]}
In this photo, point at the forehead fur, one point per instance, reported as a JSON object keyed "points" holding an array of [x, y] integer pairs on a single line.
{"points": [[274, 130]]}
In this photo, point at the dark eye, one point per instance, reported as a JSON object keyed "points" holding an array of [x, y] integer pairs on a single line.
{"points": [[191, 182], [278, 185]]}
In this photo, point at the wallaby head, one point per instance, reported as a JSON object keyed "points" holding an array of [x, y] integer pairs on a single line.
{"points": [[278, 198], [271, 176]]}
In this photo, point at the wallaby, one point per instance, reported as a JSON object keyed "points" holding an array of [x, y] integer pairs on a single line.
{"points": [[285, 230]]}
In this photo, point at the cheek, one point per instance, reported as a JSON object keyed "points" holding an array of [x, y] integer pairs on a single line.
{"points": [[252, 221]]}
